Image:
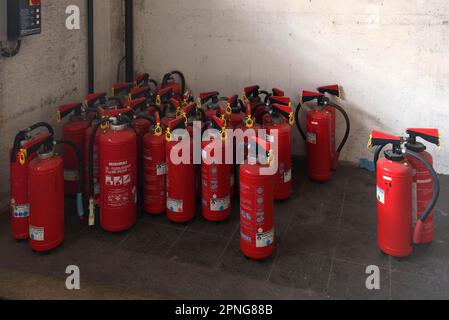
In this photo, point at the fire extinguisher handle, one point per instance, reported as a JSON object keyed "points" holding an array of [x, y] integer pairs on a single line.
{"points": [[22, 135], [170, 74]]}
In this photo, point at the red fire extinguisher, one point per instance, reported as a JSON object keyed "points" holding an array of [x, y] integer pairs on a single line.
{"points": [[45, 189], [320, 135], [280, 119], [234, 112], [215, 173], [181, 177], [117, 146], [395, 232], [154, 168], [422, 179], [23, 151], [257, 237], [73, 131]]}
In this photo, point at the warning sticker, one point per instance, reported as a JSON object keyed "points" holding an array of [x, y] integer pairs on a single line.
{"points": [[37, 234], [380, 195], [311, 138], [264, 239], [288, 176], [220, 204], [119, 180], [161, 169], [71, 175], [21, 211], [175, 205]]}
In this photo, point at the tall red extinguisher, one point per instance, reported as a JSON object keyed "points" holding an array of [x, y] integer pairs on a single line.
{"points": [[73, 131], [257, 235], [319, 136], [181, 174], [395, 231], [45, 190], [278, 125], [117, 149], [154, 169], [23, 151], [215, 173]]}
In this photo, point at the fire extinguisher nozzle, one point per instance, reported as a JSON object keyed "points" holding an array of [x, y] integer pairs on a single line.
{"points": [[418, 232], [79, 205], [91, 212]]}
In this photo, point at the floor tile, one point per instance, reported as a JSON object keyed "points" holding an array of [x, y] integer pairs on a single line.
{"points": [[405, 286]]}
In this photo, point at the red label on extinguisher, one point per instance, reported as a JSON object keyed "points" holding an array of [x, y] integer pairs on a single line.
{"points": [[120, 185]]}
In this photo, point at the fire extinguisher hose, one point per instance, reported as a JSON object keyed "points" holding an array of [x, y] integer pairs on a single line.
{"points": [[79, 195], [181, 76], [22, 136], [377, 154], [436, 194], [348, 125], [298, 124]]}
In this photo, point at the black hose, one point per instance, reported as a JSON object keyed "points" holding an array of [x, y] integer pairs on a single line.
{"points": [[203, 114], [22, 135], [298, 124], [79, 197], [242, 106], [183, 80], [377, 154], [348, 125], [42, 125], [91, 155], [153, 82], [436, 184]]}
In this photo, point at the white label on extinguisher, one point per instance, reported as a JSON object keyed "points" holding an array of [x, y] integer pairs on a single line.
{"points": [[311, 138], [414, 202], [288, 176], [264, 239], [21, 211], [71, 175], [161, 169], [380, 195], [37, 233], [220, 204], [175, 205]]}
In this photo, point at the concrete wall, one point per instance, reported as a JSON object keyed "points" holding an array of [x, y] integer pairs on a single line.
{"points": [[389, 56], [51, 69]]}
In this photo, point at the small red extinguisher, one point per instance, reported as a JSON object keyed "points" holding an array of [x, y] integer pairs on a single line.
{"points": [[45, 189], [257, 235], [322, 158], [154, 168], [215, 173], [23, 151], [395, 230], [181, 173]]}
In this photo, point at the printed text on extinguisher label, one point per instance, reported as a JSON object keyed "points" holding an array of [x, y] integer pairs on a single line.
{"points": [[311, 138], [264, 239], [220, 204], [119, 183], [37, 233], [175, 205]]}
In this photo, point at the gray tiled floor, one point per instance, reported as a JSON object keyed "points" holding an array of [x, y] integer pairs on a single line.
{"points": [[326, 236]]}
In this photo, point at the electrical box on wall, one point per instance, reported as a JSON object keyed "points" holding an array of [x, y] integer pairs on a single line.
{"points": [[19, 18]]}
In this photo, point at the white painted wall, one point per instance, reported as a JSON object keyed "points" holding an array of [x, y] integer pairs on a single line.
{"points": [[391, 57], [51, 69]]}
